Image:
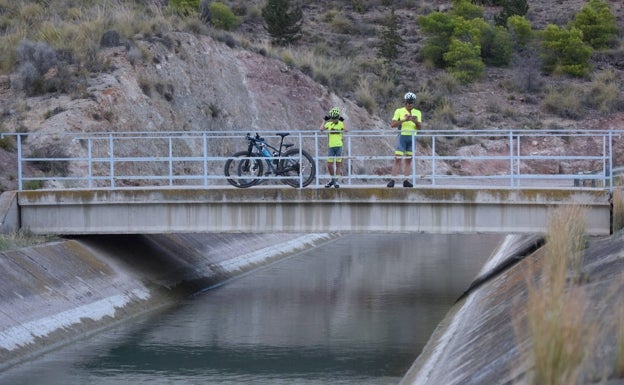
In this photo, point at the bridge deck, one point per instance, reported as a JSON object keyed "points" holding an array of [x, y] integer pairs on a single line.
{"points": [[271, 209]]}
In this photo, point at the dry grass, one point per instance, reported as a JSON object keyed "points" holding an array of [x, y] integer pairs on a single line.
{"points": [[558, 332], [22, 238], [618, 367], [565, 240], [76, 29]]}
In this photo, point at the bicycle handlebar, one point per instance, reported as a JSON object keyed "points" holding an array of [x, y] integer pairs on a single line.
{"points": [[257, 138]]}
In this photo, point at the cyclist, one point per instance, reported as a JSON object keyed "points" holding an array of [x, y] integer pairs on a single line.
{"points": [[335, 126], [408, 119]]}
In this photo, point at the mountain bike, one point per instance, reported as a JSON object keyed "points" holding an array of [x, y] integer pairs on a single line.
{"points": [[293, 166]]}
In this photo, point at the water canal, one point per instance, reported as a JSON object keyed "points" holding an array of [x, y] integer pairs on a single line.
{"points": [[357, 310]]}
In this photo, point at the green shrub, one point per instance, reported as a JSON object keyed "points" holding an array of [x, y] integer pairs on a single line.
{"points": [[496, 46], [33, 185], [390, 40], [563, 50], [467, 10], [184, 7], [520, 30], [464, 61], [222, 17], [511, 8], [281, 22], [439, 28], [598, 24], [7, 143]]}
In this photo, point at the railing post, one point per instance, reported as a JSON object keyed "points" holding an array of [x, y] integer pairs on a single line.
{"points": [[300, 160], [20, 183], [111, 155], [414, 158], [170, 140], [90, 162], [349, 164], [433, 159], [316, 158], [610, 161], [205, 151], [511, 158]]}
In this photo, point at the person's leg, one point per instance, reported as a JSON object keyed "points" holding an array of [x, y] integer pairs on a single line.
{"points": [[407, 163], [337, 165], [331, 166], [396, 162], [407, 167], [330, 170]]}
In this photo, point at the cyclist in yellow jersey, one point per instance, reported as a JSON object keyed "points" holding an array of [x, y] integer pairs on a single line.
{"points": [[408, 120], [335, 126]]}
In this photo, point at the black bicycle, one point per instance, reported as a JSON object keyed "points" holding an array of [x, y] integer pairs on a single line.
{"points": [[294, 167]]}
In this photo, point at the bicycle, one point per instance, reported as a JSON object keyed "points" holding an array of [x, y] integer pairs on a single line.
{"points": [[246, 168]]}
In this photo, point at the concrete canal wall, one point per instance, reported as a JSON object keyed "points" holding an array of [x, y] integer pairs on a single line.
{"points": [[56, 293], [483, 338]]}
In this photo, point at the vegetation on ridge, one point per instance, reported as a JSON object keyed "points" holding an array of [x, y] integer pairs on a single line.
{"points": [[326, 41]]}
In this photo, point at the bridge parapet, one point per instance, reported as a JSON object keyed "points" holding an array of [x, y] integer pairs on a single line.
{"points": [[264, 210]]}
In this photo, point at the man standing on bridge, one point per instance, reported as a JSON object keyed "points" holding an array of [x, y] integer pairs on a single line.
{"points": [[408, 119]]}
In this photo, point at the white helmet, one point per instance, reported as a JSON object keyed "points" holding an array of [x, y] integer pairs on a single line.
{"points": [[410, 97]]}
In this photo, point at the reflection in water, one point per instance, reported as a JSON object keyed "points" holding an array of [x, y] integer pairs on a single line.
{"points": [[355, 311]]}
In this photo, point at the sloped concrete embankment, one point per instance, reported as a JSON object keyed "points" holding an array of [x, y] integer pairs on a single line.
{"points": [[478, 343], [52, 294]]}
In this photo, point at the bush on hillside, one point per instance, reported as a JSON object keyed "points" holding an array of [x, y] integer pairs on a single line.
{"points": [[563, 51], [496, 46], [466, 10], [439, 28], [34, 61], [597, 23], [511, 8], [184, 7], [390, 39], [520, 30], [464, 61], [282, 22], [222, 17], [51, 152]]}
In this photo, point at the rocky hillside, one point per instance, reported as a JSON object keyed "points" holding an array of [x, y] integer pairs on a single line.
{"points": [[181, 81]]}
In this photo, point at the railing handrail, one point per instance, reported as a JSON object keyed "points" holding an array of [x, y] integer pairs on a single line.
{"points": [[102, 161]]}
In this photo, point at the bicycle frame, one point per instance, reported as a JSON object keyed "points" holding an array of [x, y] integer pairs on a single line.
{"points": [[273, 153]]}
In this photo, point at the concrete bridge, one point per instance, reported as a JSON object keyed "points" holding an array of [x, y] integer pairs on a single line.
{"points": [[277, 209]]}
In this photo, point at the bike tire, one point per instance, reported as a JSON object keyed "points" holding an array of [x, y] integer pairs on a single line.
{"points": [[291, 166], [242, 171]]}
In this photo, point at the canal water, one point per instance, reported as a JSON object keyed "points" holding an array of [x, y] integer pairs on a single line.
{"points": [[357, 310]]}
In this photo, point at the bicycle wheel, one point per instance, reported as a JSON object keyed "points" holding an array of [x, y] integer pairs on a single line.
{"points": [[243, 171], [291, 166]]}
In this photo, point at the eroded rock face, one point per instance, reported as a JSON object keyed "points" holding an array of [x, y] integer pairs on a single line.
{"points": [[179, 83]]}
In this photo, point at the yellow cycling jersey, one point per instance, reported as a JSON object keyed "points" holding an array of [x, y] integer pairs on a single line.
{"points": [[407, 127], [334, 133]]}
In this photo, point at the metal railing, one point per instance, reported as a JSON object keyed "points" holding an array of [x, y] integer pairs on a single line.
{"points": [[487, 158]]}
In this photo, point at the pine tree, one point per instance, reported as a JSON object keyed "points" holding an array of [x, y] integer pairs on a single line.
{"points": [[390, 40], [511, 8], [283, 25]]}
